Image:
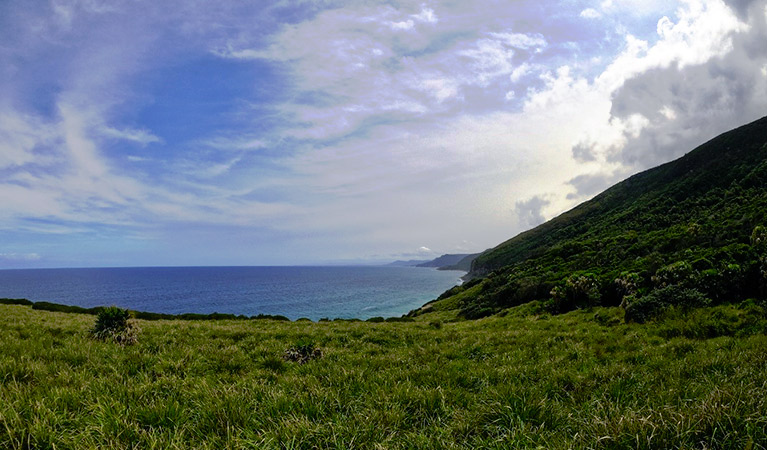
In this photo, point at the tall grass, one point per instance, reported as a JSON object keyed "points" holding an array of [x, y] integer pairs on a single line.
{"points": [[579, 380]]}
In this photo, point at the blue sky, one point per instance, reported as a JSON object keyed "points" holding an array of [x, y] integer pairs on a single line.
{"points": [[307, 132]]}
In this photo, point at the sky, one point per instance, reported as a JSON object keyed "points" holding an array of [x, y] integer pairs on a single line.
{"points": [[186, 133]]}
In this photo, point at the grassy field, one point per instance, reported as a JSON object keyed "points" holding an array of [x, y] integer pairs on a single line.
{"points": [[525, 380]]}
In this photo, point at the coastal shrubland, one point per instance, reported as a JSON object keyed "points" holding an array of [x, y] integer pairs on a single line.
{"points": [[692, 230], [687, 378]]}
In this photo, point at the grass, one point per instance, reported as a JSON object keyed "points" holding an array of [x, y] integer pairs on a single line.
{"points": [[525, 380]]}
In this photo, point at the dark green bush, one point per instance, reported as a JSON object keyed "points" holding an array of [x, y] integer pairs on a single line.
{"points": [[477, 311], [375, 319], [272, 317], [642, 309], [399, 319], [15, 301], [114, 324], [579, 291], [47, 306]]}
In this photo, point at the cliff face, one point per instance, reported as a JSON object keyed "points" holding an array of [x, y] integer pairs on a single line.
{"points": [[451, 262]]}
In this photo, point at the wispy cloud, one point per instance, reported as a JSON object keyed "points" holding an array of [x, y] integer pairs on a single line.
{"points": [[19, 256]]}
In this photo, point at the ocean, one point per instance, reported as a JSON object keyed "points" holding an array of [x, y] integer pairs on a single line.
{"points": [[311, 292]]}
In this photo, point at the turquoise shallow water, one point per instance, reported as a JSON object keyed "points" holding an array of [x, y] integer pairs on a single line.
{"points": [[313, 292]]}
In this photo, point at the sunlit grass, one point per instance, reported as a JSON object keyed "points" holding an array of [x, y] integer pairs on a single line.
{"points": [[579, 380]]}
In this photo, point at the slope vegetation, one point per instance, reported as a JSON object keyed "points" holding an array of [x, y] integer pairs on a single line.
{"points": [[689, 231]]}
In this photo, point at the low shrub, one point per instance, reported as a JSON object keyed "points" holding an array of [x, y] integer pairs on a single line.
{"points": [[642, 309], [271, 317], [115, 324], [15, 301], [399, 319], [577, 292], [55, 307]]}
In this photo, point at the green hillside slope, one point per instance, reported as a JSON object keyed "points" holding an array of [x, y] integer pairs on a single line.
{"points": [[681, 229]]}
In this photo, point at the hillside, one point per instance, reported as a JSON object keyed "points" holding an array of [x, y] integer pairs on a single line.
{"points": [[451, 262], [525, 380], [692, 224]]}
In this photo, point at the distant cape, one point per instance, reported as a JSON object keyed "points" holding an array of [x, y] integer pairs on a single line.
{"points": [[444, 262]]}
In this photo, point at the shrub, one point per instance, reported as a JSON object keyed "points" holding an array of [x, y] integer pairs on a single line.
{"points": [[55, 307], [399, 319], [759, 238], [115, 324], [15, 301], [477, 311], [642, 309], [627, 284], [579, 291], [679, 273]]}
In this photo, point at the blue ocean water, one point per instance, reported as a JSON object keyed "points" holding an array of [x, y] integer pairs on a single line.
{"points": [[313, 292]]}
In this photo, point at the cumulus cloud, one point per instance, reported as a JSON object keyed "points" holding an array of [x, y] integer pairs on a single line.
{"points": [[685, 105]]}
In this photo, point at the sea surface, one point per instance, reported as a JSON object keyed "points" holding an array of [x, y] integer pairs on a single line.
{"points": [[312, 292]]}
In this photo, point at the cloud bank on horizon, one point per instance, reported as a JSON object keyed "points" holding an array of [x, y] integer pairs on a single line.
{"points": [[300, 132]]}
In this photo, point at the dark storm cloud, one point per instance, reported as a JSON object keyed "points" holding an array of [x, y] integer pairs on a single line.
{"points": [[689, 105], [741, 7]]}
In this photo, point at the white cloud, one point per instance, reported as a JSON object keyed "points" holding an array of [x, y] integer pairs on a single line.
{"points": [[143, 137], [441, 89], [520, 40], [519, 72], [426, 15], [20, 137], [16, 257], [590, 13], [703, 31], [235, 143], [668, 112]]}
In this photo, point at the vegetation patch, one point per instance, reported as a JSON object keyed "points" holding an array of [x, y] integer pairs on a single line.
{"points": [[114, 324], [302, 353]]}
